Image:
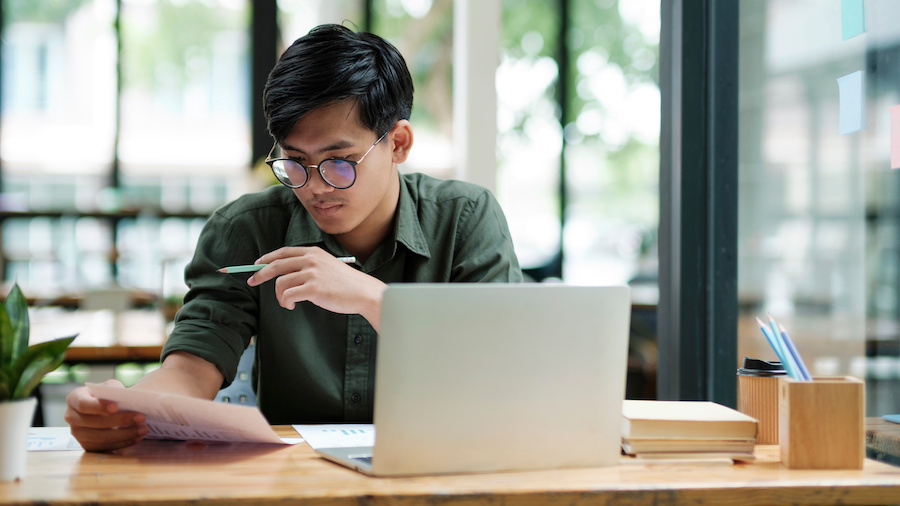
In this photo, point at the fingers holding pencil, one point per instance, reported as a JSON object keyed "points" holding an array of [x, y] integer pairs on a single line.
{"points": [[311, 274]]}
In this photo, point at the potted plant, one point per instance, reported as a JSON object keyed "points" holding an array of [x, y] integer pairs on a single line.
{"points": [[22, 367]]}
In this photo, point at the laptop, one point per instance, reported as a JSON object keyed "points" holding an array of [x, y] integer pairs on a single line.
{"points": [[488, 377]]}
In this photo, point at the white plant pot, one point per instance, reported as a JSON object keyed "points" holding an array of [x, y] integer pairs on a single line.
{"points": [[15, 420]]}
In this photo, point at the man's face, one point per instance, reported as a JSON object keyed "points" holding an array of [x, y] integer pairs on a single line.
{"points": [[335, 132]]}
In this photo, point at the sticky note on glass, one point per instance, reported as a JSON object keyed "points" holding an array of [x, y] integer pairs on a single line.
{"points": [[853, 18], [853, 103], [895, 137]]}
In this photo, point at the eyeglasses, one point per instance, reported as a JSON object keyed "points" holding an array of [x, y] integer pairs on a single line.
{"points": [[337, 172]]}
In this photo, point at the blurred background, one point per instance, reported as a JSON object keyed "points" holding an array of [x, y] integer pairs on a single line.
{"points": [[125, 123]]}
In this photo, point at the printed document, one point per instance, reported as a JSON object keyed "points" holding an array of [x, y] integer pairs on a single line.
{"points": [[341, 435], [186, 418], [47, 439]]}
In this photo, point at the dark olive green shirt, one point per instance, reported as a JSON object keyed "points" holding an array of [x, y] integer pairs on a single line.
{"points": [[312, 365]]}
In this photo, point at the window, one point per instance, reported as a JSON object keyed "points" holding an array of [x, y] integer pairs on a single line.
{"points": [[578, 121], [423, 33], [530, 142], [116, 143], [183, 139], [612, 146]]}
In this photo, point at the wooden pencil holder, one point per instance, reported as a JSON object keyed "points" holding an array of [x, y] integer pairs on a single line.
{"points": [[821, 423]]}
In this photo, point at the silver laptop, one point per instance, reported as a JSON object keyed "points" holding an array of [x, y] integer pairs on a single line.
{"points": [[496, 377]]}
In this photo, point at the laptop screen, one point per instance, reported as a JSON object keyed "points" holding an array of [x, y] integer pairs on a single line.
{"points": [[478, 377]]}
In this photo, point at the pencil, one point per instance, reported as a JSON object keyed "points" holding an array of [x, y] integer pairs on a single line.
{"points": [[791, 366], [798, 360], [234, 269], [777, 349]]}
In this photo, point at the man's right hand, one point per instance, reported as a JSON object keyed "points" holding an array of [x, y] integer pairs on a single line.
{"points": [[99, 425]]}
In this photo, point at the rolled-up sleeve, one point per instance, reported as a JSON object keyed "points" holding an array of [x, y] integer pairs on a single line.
{"points": [[220, 311]]}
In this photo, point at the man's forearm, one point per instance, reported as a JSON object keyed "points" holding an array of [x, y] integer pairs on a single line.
{"points": [[184, 374]]}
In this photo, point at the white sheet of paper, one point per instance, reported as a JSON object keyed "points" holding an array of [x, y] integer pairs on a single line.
{"points": [[340, 435], [186, 418], [47, 439]]}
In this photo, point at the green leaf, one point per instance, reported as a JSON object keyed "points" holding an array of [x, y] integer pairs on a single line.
{"points": [[37, 361], [5, 393], [17, 311], [22, 367], [7, 340]]}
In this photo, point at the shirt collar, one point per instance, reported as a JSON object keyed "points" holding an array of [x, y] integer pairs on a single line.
{"points": [[409, 227], [303, 231]]}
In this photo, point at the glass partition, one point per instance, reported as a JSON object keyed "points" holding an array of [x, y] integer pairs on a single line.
{"points": [[818, 193]]}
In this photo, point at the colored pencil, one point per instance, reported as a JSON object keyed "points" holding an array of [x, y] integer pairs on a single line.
{"points": [[801, 365], [234, 269]]}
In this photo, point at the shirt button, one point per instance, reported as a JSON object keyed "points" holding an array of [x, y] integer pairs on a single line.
{"points": [[357, 339], [355, 398]]}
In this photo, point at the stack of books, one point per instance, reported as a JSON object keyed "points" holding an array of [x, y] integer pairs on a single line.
{"points": [[686, 430]]}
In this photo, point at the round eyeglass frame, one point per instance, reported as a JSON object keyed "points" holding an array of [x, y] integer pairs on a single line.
{"points": [[284, 179]]}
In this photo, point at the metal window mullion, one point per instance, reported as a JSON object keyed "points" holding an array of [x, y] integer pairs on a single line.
{"points": [[264, 34], [698, 201], [115, 177], [562, 95], [722, 153]]}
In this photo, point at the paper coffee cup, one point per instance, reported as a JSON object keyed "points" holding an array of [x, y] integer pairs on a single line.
{"points": [[758, 396]]}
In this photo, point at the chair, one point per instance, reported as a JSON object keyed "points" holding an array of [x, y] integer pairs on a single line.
{"points": [[240, 391]]}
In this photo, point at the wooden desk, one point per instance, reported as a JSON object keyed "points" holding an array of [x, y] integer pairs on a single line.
{"points": [[186, 473], [883, 440], [112, 354], [103, 336]]}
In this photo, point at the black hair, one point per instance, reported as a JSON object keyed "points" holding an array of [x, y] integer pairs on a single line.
{"points": [[331, 64]]}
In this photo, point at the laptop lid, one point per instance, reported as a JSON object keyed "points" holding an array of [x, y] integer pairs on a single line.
{"points": [[497, 377]]}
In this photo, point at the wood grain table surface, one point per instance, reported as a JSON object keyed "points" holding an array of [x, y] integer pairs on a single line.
{"points": [[182, 473]]}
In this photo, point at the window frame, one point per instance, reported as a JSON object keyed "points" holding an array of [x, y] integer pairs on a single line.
{"points": [[697, 313]]}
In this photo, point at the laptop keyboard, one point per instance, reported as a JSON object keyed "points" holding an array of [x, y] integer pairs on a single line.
{"points": [[367, 460]]}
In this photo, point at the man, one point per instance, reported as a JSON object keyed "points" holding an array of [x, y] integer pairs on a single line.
{"points": [[338, 105]]}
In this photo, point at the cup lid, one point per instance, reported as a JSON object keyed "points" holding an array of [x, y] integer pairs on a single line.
{"points": [[758, 367]]}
